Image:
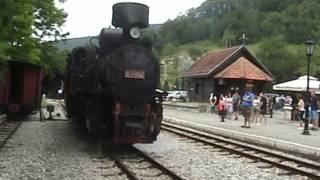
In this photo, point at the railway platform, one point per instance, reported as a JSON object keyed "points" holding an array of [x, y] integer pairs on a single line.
{"points": [[276, 134]]}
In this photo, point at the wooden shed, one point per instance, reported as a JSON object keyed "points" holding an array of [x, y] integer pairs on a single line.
{"points": [[224, 71], [20, 91]]}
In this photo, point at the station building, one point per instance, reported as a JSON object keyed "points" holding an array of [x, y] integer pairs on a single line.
{"points": [[224, 71]]}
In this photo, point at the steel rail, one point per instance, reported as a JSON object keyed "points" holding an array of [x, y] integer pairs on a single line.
{"points": [[159, 166], [3, 116], [132, 175], [180, 131], [9, 131]]}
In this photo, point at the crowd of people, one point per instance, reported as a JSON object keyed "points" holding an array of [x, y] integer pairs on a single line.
{"points": [[254, 107]]}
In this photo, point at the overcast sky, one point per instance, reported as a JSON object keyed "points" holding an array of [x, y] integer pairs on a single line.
{"points": [[88, 17]]}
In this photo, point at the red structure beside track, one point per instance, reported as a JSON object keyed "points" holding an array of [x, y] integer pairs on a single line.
{"points": [[20, 90]]}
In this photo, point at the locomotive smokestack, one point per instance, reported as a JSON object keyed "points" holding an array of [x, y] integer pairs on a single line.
{"points": [[128, 15]]}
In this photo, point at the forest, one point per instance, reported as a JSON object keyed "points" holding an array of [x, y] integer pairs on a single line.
{"points": [[276, 32]]}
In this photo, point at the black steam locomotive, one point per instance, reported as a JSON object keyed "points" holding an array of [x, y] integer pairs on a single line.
{"points": [[111, 90]]}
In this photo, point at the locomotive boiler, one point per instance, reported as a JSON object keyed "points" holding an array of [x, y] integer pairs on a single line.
{"points": [[111, 90]]}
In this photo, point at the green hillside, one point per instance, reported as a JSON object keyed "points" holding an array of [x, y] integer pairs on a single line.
{"points": [[276, 32]]}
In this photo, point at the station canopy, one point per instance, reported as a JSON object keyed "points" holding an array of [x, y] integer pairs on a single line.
{"points": [[299, 85]]}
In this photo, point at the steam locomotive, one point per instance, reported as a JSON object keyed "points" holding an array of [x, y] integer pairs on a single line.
{"points": [[111, 90]]}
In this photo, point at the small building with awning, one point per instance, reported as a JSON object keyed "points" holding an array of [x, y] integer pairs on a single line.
{"points": [[299, 85], [224, 71]]}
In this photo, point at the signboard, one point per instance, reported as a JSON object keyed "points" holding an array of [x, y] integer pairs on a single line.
{"points": [[134, 74]]}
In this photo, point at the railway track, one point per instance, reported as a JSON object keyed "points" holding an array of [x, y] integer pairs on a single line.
{"points": [[138, 165], [288, 163], [7, 128]]}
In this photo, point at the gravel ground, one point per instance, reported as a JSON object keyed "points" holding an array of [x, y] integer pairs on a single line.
{"points": [[194, 161], [52, 150]]}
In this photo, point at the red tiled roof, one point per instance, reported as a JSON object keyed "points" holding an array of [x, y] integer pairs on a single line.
{"points": [[242, 68], [209, 62]]}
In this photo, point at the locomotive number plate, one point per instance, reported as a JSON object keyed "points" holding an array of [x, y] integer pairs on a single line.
{"points": [[134, 74]]}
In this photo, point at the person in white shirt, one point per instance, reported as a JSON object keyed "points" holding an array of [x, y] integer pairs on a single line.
{"points": [[301, 110], [212, 102], [229, 106], [256, 113]]}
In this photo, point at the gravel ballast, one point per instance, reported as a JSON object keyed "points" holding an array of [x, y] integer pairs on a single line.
{"points": [[52, 150], [193, 160]]}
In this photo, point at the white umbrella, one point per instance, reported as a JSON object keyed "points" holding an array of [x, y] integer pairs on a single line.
{"points": [[299, 84]]}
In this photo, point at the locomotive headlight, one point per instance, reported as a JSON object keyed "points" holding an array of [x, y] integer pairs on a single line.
{"points": [[135, 33]]}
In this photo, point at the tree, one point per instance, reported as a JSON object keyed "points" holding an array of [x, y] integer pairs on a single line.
{"points": [[259, 19], [278, 59], [24, 25], [168, 49], [52, 67], [195, 52], [48, 20], [54, 60]]}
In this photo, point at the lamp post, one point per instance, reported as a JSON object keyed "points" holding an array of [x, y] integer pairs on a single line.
{"points": [[165, 62], [309, 50]]}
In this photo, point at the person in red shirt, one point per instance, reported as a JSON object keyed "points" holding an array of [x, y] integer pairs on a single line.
{"points": [[221, 108]]}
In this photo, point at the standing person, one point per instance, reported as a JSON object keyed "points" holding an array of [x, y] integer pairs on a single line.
{"points": [[229, 106], [256, 109], [212, 102], [314, 110], [263, 108], [277, 102], [221, 108], [282, 101], [271, 103], [301, 110], [236, 104], [246, 105]]}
